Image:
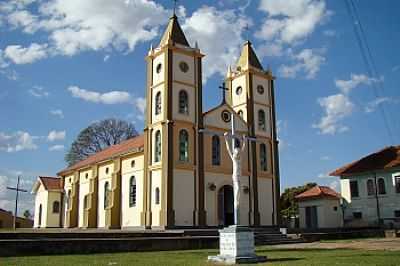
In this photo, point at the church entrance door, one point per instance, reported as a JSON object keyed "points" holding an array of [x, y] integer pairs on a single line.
{"points": [[225, 206]]}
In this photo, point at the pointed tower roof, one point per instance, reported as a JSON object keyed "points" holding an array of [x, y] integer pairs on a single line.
{"points": [[174, 33], [248, 57]]}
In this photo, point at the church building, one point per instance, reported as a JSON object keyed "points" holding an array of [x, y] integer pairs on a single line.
{"points": [[178, 173]]}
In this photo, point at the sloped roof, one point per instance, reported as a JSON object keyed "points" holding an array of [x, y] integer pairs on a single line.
{"points": [[248, 57], [386, 158], [318, 192], [174, 33], [108, 153], [51, 183]]}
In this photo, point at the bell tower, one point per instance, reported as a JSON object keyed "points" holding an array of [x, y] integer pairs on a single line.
{"points": [[251, 94], [174, 116]]}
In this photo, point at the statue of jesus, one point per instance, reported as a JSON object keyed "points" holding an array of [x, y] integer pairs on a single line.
{"points": [[235, 155]]}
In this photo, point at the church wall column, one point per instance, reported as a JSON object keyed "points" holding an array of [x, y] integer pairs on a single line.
{"points": [[253, 149], [113, 212], [276, 173], [202, 216], [93, 198]]}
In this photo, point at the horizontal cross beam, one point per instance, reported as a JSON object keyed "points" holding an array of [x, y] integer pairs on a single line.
{"points": [[17, 189]]}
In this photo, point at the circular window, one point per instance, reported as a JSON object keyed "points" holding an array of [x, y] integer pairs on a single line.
{"points": [[184, 67], [133, 163], [239, 90], [260, 89], [158, 68], [226, 116]]}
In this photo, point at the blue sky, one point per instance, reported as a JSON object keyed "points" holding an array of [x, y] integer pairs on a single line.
{"points": [[65, 64]]}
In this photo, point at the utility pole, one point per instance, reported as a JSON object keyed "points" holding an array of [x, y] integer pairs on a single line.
{"points": [[17, 189]]}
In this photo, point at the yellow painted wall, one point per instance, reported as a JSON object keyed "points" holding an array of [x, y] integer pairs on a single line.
{"points": [[131, 215], [155, 182], [53, 219], [265, 200], [241, 98], [159, 77], [103, 178], [177, 87], [183, 200], [265, 97]]}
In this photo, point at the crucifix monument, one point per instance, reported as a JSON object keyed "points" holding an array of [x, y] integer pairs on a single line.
{"points": [[236, 242], [17, 189]]}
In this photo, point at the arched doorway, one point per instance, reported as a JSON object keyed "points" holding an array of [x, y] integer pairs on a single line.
{"points": [[40, 216], [225, 206]]}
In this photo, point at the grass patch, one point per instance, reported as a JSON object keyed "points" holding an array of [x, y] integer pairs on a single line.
{"points": [[304, 257]]}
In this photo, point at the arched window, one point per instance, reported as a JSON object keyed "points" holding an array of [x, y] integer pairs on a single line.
{"points": [[263, 157], [216, 150], [56, 207], [261, 120], [157, 147], [370, 187], [40, 215], [183, 146], [132, 192], [381, 186], [68, 200], [157, 196], [183, 102], [240, 113], [107, 195], [158, 103], [85, 202]]}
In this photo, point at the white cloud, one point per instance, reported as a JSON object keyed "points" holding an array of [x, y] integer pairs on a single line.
{"points": [[291, 21], [334, 185], [112, 97], [336, 108], [140, 104], [57, 148], [3, 63], [3, 185], [26, 55], [106, 58], [307, 62], [17, 141], [371, 106], [56, 135], [355, 80], [57, 112], [38, 92], [23, 19], [218, 34]]}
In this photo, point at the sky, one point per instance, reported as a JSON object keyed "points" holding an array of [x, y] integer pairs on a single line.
{"points": [[66, 64]]}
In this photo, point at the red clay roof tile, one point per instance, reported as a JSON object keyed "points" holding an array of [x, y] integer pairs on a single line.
{"points": [[318, 192], [386, 158], [51, 183], [114, 150]]}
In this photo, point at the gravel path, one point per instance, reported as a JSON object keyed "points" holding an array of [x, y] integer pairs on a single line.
{"points": [[392, 244]]}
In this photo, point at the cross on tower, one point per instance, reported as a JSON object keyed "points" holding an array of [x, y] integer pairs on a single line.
{"points": [[17, 189], [175, 2], [223, 88], [247, 30]]}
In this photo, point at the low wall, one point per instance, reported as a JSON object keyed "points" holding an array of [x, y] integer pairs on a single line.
{"points": [[370, 233], [29, 247]]}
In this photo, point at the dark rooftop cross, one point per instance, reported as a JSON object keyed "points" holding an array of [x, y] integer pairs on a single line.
{"points": [[247, 30], [17, 189], [223, 88], [175, 3]]}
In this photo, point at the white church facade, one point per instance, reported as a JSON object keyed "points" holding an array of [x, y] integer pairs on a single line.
{"points": [[177, 173]]}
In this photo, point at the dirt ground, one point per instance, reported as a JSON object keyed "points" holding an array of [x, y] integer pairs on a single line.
{"points": [[390, 244]]}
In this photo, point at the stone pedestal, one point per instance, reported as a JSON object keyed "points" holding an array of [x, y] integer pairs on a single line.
{"points": [[236, 245]]}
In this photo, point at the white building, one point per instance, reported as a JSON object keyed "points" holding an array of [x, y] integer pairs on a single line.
{"points": [[371, 189], [319, 207]]}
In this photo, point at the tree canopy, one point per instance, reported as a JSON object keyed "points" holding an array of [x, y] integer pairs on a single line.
{"points": [[287, 200], [98, 136]]}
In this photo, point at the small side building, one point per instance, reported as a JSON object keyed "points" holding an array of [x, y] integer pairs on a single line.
{"points": [[319, 207], [48, 202], [7, 220]]}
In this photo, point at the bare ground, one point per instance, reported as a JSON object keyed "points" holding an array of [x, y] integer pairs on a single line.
{"points": [[389, 244]]}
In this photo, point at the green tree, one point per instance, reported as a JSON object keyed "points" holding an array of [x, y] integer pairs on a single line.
{"points": [[97, 137], [27, 214], [287, 200]]}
